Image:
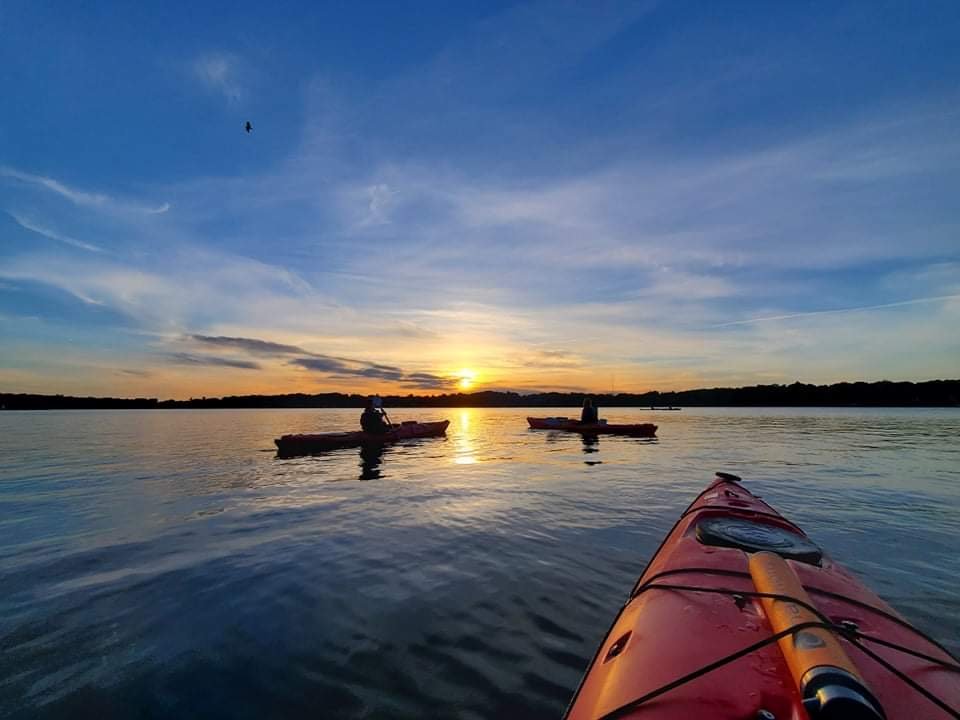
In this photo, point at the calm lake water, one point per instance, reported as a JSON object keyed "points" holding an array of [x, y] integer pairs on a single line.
{"points": [[167, 564]]}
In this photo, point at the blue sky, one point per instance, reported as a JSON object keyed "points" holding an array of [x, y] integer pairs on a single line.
{"points": [[551, 195]]}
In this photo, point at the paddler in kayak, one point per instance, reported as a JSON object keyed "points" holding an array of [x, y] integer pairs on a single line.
{"points": [[588, 416], [373, 420]]}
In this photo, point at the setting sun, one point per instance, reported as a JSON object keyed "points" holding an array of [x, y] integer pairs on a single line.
{"points": [[466, 378]]}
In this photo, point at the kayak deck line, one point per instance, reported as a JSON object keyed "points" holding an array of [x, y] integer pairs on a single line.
{"points": [[684, 645]]}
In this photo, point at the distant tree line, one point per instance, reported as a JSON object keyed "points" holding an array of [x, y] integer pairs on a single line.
{"points": [[933, 393], [26, 401]]}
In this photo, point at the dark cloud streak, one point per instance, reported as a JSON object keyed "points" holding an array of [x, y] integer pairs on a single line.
{"points": [[428, 381], [250, 345], [314, 362], [135, 373], [181, 358], [356, 368]]}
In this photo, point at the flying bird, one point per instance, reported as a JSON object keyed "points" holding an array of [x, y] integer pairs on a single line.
{"points": [[248, 127]]}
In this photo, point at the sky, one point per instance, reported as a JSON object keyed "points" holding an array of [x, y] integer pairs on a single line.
{"points": [[434, 196]]}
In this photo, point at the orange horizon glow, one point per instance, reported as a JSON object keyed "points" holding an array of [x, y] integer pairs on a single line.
{"points": [[468, 362], [177, 384]]}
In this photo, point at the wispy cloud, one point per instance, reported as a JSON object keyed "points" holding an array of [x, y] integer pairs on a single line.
{"points": [[135, 373], [80, 197], [550, 360], [220, 72], [52, 234], [181, 287], [838, 311], [380, 198], [210, 360]]}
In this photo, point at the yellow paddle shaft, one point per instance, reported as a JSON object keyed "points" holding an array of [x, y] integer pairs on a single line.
{"points": [[821, 668]]}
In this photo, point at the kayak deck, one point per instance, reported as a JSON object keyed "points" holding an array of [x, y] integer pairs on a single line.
{"points": [[693, 607], [292, 445], [568, 425]]}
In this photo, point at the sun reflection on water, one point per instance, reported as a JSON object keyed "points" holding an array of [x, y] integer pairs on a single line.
{"points": [[464, 454]]}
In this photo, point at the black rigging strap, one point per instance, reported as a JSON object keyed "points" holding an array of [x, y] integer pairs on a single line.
{"points": [[851, 634]]}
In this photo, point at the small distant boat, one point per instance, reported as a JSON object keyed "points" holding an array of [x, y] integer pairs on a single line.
{"points": [[666, 408], [600, 428], [292, 445]]}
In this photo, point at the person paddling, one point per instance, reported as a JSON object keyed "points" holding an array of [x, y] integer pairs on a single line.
{"points": [[373, 420], [588, 416]]}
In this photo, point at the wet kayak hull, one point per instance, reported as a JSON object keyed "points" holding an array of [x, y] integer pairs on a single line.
{"points": [[691, 608], [566, 425], [291, 445]]}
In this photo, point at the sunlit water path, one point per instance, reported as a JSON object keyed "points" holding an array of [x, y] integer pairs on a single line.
{"points": [[166, 564]]}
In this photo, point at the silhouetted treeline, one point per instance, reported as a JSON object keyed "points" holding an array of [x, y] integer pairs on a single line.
{"points": [[23, 401], [934, 393]]}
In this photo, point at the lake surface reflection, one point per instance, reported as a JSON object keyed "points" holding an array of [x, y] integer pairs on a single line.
{"points": [[167, 564]]}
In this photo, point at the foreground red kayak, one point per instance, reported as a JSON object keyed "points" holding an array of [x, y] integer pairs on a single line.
{"points": [[562, 423], [290, 445], [740, 616]]}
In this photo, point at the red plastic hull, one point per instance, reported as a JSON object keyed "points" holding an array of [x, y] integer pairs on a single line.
{"points": [[290, 445], [675, 632], [636, 430]]}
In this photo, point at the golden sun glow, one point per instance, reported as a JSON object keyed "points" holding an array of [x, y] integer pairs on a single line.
{"points": [[466, 378]]}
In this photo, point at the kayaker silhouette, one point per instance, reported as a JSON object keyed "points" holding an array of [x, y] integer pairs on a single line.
{"points": [[373, 419], [248, 127], [588, 416]]}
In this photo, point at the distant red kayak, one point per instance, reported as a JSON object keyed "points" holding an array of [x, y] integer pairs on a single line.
{"points": [[562, 423], [290, 445], [740, 616]]}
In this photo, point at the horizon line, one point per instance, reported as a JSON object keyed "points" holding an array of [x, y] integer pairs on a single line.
{"points": [[518, 393]]}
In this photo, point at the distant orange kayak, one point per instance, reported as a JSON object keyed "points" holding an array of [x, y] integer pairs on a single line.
{"points": [[740, 616], [568, 425], [290, 445]]}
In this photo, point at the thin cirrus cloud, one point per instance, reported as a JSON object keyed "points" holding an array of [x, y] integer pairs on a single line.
{"points": [[837, 311], [768, 206], [80, 197], [32, 226], [829, 195], [220, 72], [553, 359], [135, 373], [180, 287]]}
